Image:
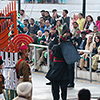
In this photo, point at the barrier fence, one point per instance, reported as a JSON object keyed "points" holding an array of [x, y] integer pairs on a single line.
{"points": [[42, 46], [48, 62], [90, 63]]}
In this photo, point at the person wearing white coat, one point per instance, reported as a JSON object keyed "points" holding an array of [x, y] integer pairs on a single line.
{"points": [[89, 24]]}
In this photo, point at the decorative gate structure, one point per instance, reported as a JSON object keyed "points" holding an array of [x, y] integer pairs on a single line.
{"points": [[8, 51]]}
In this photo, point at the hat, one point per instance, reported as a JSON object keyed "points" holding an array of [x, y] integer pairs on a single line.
{"points": [[23, 48], [65, 29], [54, 10], [24, 89], [1, 61]]}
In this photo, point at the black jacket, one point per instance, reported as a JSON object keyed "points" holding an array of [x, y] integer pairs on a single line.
{"points": [[53, 40], [34, 29], [59, 71], [66, 20], [79, 40]]}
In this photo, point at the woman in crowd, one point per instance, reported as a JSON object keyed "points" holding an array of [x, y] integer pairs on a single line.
{"points": [[98, 23], [96, 45], [75, 17], [89, 24], [89, 47]]}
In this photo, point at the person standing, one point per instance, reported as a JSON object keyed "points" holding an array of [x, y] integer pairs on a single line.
{"points": [[81, 21], [58, 74], [55, 16], [65, 18], [23, 16], [22, 67]]}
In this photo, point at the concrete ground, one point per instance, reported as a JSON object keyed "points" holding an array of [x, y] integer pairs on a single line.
{"points": [[43, 92]]}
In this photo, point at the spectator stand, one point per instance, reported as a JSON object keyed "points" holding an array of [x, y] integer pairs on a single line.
{"points": [[8, 51]]}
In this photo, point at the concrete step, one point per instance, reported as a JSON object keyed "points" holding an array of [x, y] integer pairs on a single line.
{"points": [[80, 74], [86, 75]]}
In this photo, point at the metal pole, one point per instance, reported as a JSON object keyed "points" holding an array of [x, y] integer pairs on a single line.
{"points": [[19, 6], [34, 56], [76, 70], [36, 1], [84, 8], [90, 63], [48, 64]]}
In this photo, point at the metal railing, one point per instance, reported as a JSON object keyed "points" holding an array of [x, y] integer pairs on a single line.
{"points": [[85, 51], [90, 63], [42, 46], [44, 1]]}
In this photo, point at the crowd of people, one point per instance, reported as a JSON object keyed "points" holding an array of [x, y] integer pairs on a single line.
{"points": [[58, 32], [44, 1], [84, 34], [55, 31]]}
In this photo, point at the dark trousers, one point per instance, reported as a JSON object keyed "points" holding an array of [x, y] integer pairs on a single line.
{"points": [[56, 85], [71, 73]]}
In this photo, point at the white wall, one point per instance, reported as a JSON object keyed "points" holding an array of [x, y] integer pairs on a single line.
{"points": [[73, 6]]}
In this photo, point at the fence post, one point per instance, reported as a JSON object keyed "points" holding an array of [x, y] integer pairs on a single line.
{"points": [[48, 59], [90, 63], [16, 57], [35, 56], [76, 70]]}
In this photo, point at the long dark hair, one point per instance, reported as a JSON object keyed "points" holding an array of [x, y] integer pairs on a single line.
{"points": [[97, 44], [98, 18], [90, 17]]}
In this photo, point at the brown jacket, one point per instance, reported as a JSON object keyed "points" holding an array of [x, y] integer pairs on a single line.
{"points": [[23, 70]]}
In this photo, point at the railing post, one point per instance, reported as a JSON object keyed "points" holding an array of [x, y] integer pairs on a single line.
{"points": [[76, 70], [35, 1], [16, 57], [48, 64], [90, 63], [34, 56]]}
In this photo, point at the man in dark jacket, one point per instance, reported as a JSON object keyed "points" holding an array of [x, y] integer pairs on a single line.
{"points": [[65, 18], [55, 16], [81, 40], [48, 17], [33, 28], [58, 74]]}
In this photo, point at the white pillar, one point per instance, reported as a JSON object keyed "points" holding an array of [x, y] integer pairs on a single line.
{"points": [[99, 63]]}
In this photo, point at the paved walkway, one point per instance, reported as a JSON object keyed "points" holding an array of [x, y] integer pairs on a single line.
{"points": [[43, 92]]}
